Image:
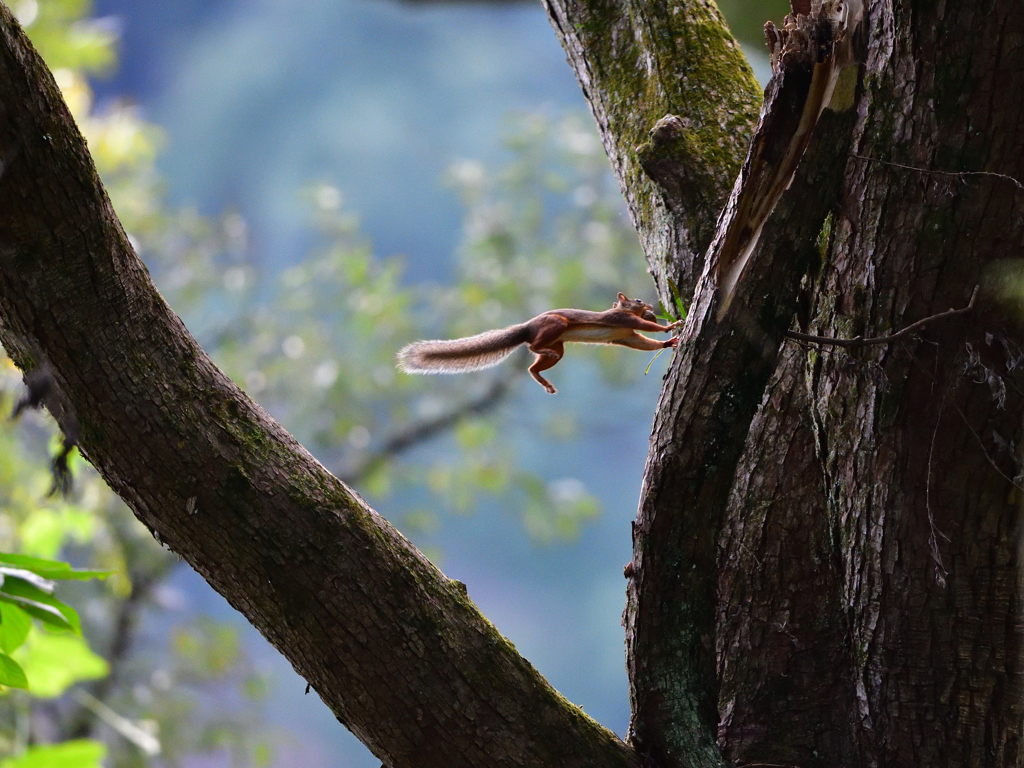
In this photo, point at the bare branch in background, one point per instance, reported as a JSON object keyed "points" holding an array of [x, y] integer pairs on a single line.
{"points": [[426, 429]]}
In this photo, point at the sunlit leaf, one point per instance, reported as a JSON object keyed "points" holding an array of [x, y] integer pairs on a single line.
{"points": [[11, 673], [81, 753], [51, 569], [44, 613], [14, 626], [37, 581], [40, 604], [53, 663]]}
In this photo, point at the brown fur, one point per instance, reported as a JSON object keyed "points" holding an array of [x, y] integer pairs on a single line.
{"points": [[546, 334]]}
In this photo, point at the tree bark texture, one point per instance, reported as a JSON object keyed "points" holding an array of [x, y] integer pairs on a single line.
{"points": [[826, 564], [395, 649], [886, 608]]}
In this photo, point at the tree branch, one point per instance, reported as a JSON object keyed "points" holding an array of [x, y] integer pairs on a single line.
{"points": [[395, 649], [934, 172], [675, 102], [419, 432]]}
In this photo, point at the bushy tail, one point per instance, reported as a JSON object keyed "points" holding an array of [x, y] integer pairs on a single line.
{"points": [[459, 355]]}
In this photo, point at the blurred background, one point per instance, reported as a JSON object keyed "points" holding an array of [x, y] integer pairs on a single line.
{"points": [[313, 185]]}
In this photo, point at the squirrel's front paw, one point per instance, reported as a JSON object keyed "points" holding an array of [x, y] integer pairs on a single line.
{"points": [[673, 342]]}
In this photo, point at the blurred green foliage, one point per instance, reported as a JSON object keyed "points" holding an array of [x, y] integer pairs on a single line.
{"points": [[747, 17], [45, 659], [77, 753]]}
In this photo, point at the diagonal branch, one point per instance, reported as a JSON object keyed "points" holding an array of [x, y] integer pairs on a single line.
{"points": [[395, 649]]}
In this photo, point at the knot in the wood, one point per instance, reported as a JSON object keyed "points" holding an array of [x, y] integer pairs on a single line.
{"points": [[669, 152]]}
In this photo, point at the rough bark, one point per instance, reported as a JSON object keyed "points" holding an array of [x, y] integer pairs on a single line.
{"points": [[395, 649], [894, 639], [826, 558]]}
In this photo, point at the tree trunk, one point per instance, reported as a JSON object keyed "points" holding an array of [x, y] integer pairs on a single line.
{"points": [[838, 583], [825, 560], [870, 605]]}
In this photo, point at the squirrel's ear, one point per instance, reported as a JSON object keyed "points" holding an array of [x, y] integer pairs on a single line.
{"points": [[622, 297]]}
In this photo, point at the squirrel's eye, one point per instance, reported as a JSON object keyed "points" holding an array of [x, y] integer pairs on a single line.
{"points": [[638, 301]]}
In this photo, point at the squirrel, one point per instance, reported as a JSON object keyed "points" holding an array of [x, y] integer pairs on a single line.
{"points": [[546, 334]]}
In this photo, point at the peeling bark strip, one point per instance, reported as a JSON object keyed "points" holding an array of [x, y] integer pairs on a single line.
{"points": [[820, 43], [396, 650]]}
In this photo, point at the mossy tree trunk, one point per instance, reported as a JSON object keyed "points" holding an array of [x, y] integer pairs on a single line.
{"points": [[826, 555]]}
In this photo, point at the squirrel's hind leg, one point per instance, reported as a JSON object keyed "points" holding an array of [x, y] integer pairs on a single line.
{"points": [[549, 330], [545, 361]]}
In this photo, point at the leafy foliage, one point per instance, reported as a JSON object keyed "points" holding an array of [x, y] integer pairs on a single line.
{"points": [[44, 662], [55, 662], [80, 753]]}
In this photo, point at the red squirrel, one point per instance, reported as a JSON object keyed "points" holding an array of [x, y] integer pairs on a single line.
{"points": [[546, 334]]}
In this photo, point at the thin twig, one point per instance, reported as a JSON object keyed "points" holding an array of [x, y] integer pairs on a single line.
{"points": [[118, 653], [985, 452], [858, 341], [930, 172]]}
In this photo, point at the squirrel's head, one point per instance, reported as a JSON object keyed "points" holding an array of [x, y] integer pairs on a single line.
{"points": [[636, 306]]}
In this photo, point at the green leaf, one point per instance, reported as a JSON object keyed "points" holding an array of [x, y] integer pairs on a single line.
{"points": [[53, 663], [14, 626], [34, 579], [45, 613], [81, 753], [44, 607], [50, 569], [680, 307], [11, 673]]}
